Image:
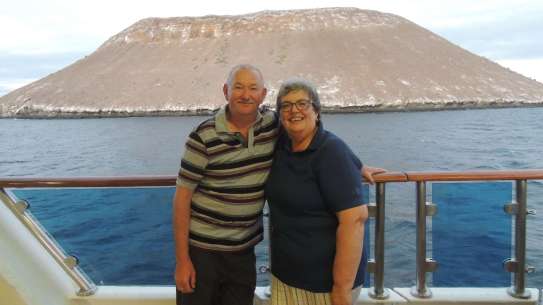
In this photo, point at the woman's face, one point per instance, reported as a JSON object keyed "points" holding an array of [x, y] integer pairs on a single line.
{"points": [[296, 119]]}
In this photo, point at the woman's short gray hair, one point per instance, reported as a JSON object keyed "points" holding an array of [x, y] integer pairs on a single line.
{"points": [[295, 84]]}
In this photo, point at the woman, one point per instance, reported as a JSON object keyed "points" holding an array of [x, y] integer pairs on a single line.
{"points": [[314, 192]]}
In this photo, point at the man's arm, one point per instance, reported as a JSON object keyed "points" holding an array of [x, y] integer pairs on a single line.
{"points": [[349, 242], [185, 275]]}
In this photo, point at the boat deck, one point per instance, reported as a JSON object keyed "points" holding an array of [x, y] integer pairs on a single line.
{"points": [[43, 271]]}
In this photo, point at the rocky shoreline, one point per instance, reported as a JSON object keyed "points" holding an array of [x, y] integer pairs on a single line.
{"points": [[29, 113]]}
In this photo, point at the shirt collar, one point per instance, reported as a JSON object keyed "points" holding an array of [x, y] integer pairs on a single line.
{"points": [[316, 142], [221, 125], [318, 138]]}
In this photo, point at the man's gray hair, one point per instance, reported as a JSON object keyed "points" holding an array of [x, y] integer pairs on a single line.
{"points": [[237, 68], [295, 84]]}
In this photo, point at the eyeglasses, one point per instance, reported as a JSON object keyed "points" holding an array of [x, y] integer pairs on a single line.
{"points": [[301, 105]]}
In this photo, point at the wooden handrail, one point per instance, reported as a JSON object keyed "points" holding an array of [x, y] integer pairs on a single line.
{"points": [[135, 181], [87, 182], [390, 177], [475, 175]]}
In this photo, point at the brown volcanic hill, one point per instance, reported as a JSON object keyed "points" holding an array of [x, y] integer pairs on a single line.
{"points": [[359, 59]]}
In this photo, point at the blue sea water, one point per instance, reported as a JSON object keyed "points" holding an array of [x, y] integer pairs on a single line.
{"points": [[471, 232], [124, 236]]}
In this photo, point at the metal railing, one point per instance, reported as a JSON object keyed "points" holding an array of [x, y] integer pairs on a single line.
{"points": [[68, 263], [516, 265]]}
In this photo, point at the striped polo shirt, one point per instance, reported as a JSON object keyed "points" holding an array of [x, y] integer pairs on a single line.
{"points": [[227, 175]]}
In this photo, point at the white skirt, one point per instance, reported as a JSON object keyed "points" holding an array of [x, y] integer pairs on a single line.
{"points": [[283, 294]]}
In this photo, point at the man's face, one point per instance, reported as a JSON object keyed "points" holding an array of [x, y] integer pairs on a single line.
{"points": [[245, 95]]}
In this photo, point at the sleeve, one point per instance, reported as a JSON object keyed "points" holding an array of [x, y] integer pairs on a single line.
{"points": [[193, 163], [339, 177]]}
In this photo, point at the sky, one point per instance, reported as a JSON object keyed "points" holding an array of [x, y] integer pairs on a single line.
{"points": [[40, 37]]}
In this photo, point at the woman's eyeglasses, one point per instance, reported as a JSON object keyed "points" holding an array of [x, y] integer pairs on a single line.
{"points": [[301, 105]]}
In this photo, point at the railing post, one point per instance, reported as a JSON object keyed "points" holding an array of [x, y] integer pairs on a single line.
{"points": [[518, 289], [379, 291], [423, 264]]}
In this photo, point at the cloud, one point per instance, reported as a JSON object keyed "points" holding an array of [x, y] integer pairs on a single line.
{"points": [[506, 32], [18, 35]]}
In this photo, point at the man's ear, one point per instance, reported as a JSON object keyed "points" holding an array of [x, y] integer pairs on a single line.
{"points": [[264, 92], [225, 91]]}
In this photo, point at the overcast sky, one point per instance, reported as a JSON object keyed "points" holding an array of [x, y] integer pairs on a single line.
{"points": [[38, 37]]}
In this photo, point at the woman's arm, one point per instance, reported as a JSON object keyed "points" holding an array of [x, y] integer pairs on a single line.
{"points": [[349, 242]]}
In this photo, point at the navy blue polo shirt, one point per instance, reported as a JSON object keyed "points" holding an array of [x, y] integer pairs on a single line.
{"points": [[305, 190]]}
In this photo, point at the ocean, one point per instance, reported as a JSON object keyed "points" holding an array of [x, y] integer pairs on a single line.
{"points": [[123, 236]]}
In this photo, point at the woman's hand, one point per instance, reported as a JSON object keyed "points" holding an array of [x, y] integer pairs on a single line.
{"points": [[368, 172]]}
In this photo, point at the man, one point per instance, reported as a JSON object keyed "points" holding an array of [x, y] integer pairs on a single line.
{"points": [[217, 213], [220, 195]]}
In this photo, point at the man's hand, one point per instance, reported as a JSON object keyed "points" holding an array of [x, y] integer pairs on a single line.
{"points": [[185, 276], [341, 296], [368, 172]]}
